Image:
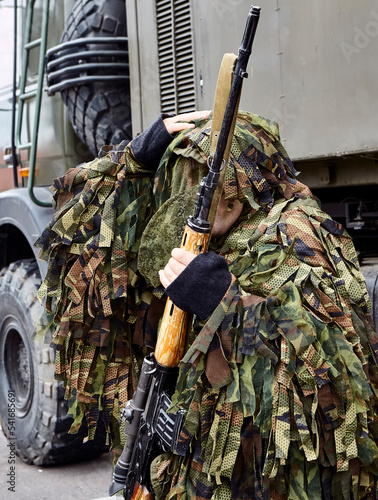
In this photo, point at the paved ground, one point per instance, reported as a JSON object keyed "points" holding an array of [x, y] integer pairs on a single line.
{"points": [[85, 481]]}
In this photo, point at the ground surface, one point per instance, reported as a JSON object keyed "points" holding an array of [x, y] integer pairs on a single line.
{"points": [[84, 481]]}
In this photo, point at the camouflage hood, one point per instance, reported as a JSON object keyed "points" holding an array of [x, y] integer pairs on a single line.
{"points": [[259, 173], [259, 170]]}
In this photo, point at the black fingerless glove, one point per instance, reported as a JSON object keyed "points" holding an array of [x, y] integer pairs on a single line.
{"points": [[150, 145], [201, 286]]}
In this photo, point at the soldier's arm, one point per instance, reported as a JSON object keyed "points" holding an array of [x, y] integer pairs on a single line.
{"points": [[148, 147]]}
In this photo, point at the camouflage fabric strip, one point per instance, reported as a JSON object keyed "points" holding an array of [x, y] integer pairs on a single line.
{"points": [[89, 313], [305, 353]]}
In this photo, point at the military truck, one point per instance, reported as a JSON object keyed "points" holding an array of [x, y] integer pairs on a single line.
{"points": [[76, 75]]}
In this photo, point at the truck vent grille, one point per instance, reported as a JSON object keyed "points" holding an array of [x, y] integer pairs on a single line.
{"points": [[175, 49]]}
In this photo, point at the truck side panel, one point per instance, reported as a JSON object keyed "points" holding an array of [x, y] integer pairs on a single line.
{"points": [[316, 73]]}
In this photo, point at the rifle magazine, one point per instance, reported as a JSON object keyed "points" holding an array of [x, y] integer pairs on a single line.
{"points": [[168, 425]]}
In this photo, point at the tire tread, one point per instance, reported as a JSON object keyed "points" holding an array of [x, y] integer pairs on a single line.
{"points": [[48, 442], [96, 117]]}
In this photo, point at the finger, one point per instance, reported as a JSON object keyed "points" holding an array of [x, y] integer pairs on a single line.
{"points": [[183, 256], [169, 273], [176, 266], [179, 122], [193, 115], [177, 127], [163, 279]]}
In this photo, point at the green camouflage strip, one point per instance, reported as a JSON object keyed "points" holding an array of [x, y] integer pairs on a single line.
{"points": [[88, 310]]}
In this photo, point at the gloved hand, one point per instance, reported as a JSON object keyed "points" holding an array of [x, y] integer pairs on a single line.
{"points": [[149, 146], [196, 284]]}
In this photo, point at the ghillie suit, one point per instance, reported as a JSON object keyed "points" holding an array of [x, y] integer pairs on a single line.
{"points": [[280, 383]]}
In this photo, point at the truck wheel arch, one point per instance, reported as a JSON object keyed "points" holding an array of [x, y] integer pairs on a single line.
{"points": [[21, 222]]}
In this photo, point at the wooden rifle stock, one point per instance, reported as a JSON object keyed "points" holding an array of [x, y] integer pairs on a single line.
{"points": [[141, 493], [171, 341]]}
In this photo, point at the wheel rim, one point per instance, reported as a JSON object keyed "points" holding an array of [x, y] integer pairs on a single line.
{"points": [[17, 362]]}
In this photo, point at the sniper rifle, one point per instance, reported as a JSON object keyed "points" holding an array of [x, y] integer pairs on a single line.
{"points": [[149, 428]]}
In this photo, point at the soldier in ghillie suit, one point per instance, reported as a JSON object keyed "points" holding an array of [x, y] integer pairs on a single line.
{"points": [[279, 383]]}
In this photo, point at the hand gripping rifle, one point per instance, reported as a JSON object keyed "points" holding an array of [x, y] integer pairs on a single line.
{"points": [[150, 430]]}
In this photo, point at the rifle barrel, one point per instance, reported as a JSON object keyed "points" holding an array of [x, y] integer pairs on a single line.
{"points": [[240, 72], [199, 222]]}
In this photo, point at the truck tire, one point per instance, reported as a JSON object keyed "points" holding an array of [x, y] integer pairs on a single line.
{"points": [[99, 112], [33, 412]]}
